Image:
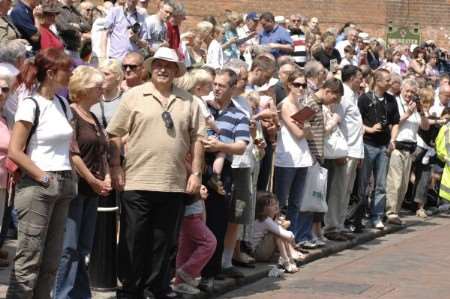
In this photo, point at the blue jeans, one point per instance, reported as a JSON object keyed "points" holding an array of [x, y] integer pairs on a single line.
{"points": [[288, 186], [376, 161], [72, 280]]}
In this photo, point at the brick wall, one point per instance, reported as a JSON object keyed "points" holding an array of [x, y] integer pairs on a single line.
{"points": [[372, 16]]}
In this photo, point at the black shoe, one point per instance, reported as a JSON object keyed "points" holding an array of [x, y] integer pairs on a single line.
{"points": [[207, 285], [335, 236], [358, 229], [231, 272], [349, 235], [121, 294]]}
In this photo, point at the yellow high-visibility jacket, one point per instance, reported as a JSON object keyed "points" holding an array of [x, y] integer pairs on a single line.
{"points": [[443, 153]]}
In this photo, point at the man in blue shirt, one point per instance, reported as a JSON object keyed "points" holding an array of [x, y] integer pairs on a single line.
{"points": [[23, 18], [274, 36], [223, 211]]}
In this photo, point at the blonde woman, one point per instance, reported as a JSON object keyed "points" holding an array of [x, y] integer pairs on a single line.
{"points": [[112, 93], [89, 159]]}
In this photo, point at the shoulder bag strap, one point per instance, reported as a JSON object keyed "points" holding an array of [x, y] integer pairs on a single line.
{"points": [[35, 121], [63, 105]]}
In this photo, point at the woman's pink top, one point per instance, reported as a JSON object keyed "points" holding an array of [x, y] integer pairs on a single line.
{"points": [[4, 142]]}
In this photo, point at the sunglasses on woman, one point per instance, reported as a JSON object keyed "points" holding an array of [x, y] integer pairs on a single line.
{"points": [[298, 85]]}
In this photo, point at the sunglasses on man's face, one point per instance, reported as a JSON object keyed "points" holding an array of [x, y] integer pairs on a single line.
{"points": [[132, 67]]}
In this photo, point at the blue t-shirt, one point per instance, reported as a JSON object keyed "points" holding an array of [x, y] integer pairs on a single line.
{"points": [[22, 17], [278, 35]]}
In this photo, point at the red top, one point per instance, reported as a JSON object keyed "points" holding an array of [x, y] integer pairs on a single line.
{"points": [[173, 37], [49, 39]]}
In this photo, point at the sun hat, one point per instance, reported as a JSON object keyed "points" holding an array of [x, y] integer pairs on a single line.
{"points": [[166, 54], [364, 37], [280, 19], [8, 69]]}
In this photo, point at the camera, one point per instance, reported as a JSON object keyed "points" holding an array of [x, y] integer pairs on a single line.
{"points": [[135, 28], [383, 122]]}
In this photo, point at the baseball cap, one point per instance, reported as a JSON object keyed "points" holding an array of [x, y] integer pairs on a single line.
{"points": [[252, 16]]}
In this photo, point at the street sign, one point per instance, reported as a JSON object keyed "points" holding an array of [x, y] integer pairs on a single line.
{"points": [[404, 35]]}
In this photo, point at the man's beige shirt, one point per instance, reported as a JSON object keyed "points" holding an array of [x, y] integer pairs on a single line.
{"points": [[155, 155]]}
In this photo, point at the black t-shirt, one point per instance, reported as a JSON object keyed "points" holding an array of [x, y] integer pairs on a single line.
{"points": [[280, 92], [373, 110], [92, 148], [325, 59]]}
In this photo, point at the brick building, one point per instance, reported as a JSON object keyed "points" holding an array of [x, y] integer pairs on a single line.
{"points": [[433, 16]]}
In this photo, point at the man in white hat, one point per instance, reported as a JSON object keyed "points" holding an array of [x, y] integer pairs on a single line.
{"points": [[164, 125]]}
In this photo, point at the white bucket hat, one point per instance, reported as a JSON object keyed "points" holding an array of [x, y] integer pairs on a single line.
{"points": [[8, 69], [166, 54]]}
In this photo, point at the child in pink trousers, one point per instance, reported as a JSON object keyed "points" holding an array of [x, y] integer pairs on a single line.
{"points": [[196, 246]]}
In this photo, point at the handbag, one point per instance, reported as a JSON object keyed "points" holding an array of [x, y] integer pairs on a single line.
{"points": [[315, 191], [335, 145]]}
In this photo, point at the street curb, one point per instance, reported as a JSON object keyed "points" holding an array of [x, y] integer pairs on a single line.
{"points": [[262, 269]]}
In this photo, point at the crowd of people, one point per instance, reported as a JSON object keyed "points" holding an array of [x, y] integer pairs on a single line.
{"points": [[246, 138]]}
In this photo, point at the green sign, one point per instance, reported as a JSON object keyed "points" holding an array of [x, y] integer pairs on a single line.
{"points": [[404, 35]]}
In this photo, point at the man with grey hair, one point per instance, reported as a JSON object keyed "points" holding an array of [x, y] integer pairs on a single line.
{"points": [[411, 118], [12, 57], [315, 75], [351, 40]]}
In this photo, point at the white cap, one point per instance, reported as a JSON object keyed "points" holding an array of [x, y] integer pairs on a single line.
{"points": [[364, 36], [8, 69], [280, 19]]}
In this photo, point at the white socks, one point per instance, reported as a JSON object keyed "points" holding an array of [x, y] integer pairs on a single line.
{"points": [[227, 256]]}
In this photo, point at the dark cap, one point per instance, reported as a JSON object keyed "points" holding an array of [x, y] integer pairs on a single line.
{"points": [[252, 16]]}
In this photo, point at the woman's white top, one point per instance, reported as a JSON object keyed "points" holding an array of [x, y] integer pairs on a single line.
{"points": [[50, 144], [291, 151]]}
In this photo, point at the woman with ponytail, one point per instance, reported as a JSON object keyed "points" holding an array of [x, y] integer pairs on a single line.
{"points": [[40, 142]]}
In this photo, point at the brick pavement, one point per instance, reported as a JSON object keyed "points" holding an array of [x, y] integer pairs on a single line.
{"points": [[362, 272], [414, 263]]}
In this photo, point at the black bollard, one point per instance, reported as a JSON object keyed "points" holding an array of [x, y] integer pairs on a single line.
{"points": [[103, 259]]}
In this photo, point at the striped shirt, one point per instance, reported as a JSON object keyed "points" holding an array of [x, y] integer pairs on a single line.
{"points": [[299, 43], [317, 127], [232, 123]]}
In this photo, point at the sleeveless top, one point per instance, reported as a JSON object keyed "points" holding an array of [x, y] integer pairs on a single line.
{"points": [[290, 151]]}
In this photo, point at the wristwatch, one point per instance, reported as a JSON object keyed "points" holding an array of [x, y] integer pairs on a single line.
{"points": [[45, 181]]}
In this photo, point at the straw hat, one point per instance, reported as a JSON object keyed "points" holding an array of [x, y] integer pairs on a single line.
{"points": [[166, 54]]}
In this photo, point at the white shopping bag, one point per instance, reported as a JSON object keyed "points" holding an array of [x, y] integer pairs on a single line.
{"points": [[315, 190]]}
